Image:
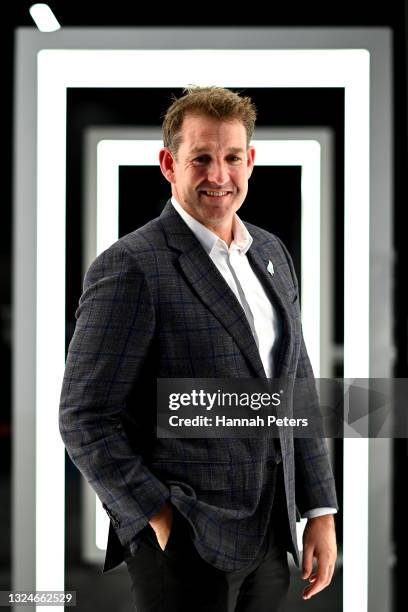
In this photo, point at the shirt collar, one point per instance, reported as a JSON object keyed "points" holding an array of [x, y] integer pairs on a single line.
{"points": [[241, 242]]}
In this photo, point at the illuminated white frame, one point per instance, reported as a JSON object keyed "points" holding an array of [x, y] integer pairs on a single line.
{"points": [[305, 153], [59, 69], [323, 136], [111, 154]]}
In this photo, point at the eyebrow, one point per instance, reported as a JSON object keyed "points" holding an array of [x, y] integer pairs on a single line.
{"points": [[196, 150]]}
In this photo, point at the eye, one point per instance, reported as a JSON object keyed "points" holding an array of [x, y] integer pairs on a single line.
{"points": [[200, 159]]}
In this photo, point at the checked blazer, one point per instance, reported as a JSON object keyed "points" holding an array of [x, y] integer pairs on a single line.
{"points": [[154, 305]]}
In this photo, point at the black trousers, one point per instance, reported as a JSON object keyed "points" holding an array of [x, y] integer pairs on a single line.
{"points": [[179, 580]]}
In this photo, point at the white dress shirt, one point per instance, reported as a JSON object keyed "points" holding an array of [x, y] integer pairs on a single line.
{"points": [[233, 264]]}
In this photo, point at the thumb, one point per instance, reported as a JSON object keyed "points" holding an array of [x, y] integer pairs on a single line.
{"points": [[307, 562]]}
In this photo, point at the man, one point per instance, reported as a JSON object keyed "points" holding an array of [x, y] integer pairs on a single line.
{"points": [[202, 524]]}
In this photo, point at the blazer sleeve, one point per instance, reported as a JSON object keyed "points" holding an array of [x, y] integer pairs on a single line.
{"points": [[314, 479], [114, 330]]}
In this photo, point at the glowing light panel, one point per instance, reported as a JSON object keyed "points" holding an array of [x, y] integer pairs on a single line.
{"points": [[59, 69]]}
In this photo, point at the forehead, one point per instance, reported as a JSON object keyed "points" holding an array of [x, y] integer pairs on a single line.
{"points": [[200, 131]]}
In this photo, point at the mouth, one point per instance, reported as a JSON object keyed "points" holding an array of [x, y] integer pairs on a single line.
{"points": [[215, 195]]}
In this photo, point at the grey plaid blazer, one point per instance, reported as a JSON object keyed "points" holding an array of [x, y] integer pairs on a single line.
{"points": [[154, 305]]}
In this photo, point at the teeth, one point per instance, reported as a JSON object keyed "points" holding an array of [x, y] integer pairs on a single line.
{"points": [[216, 193]]}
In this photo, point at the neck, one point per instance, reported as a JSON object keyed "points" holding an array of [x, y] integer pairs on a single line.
{"points": [[224, 233], [222, 228]]}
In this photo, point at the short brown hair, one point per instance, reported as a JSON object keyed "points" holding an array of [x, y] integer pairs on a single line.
{"points": [[216, 102]]}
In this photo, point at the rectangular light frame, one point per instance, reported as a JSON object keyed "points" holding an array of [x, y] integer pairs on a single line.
{"points": [[111, 154], [59, 69]]}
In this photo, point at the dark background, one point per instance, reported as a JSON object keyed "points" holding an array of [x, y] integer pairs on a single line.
{"points": [[110, 107]]}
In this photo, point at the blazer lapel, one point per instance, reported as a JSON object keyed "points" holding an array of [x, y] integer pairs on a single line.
{"points": [[209, 284], [275, 288]]}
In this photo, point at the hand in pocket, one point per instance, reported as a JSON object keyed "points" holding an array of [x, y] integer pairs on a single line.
{"points": [[161, 524]]}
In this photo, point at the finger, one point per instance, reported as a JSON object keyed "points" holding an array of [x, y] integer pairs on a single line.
{"points": [[331, 572], [162, 539], [163, 543], [307, 562], [321, 581]]}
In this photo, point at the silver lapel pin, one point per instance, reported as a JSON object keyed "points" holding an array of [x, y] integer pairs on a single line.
{"points": [[270, 268]]}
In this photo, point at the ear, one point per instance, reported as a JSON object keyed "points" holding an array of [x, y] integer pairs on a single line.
{"points": [[250, 160], [166, 161]]}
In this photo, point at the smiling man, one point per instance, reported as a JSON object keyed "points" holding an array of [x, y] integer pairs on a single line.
{"points": [[203, 524], [209, 172]]}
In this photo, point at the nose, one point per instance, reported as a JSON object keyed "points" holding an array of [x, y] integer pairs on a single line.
{"points": [[218, 173]]}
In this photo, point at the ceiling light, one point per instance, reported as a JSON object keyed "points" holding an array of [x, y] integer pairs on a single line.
{"points": [[44, 18]]}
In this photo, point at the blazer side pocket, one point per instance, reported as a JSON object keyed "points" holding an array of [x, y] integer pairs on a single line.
{"points": [[200, 475]]}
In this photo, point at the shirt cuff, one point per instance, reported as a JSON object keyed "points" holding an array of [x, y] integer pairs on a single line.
{"points": [[318, 512]]}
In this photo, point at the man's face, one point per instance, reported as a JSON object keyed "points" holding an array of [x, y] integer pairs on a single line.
{"points": [[210, 175]]}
